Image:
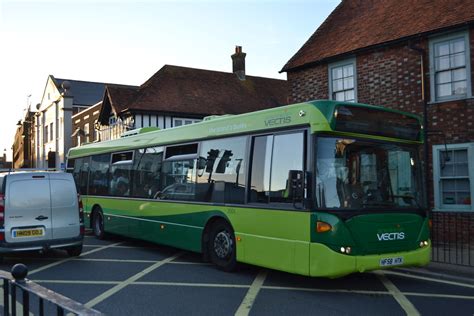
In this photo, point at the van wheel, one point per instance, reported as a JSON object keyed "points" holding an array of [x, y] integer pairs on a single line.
{"points": [[98, 225], [74, 251], [222, 247]]}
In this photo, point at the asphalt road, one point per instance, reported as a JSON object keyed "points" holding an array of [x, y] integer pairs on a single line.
{"points": [[126, 277]]}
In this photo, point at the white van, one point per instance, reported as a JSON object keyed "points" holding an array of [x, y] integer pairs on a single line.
{"points": [[39, 211]]}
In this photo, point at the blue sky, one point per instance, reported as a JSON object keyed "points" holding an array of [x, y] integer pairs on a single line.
{"points": [[128, 41]]}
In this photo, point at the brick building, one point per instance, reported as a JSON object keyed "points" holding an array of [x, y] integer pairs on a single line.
{"points": [[415, 56], [24, 142], [83, 125]]}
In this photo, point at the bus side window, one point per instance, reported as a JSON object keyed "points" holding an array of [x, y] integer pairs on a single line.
{"points": [[274, 156], [98, 182], [147, 172], [221, 171]]}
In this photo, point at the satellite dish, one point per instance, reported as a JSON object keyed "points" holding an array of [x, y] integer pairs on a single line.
{"points": [[66, 85]]}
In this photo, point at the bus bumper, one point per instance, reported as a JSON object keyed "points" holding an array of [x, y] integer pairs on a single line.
{"points": [[325, 262]]}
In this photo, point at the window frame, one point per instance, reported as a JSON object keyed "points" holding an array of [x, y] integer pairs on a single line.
{"points": [[438, 205], [443, 38], [183, 119], [350, 61]]}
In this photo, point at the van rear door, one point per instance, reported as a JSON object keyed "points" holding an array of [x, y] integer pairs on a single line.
{"points": [[27, 207], [64, 206]]}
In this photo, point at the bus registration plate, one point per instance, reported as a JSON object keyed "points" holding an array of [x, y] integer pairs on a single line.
{"points": [[34, 232], [391, 261]]}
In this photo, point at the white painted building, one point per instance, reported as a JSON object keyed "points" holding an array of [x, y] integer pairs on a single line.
{"points": [[62, 98]]}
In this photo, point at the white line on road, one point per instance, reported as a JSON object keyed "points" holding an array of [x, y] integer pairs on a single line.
{"points": [[429, 279], [69, 259], [129, 281], [399, 297], [251, 295]]}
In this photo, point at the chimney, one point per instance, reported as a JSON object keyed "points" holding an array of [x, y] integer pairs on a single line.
{"points": [[238, 63]]}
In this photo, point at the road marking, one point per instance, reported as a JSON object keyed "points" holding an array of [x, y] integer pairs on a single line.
{"points": [[78, 282], [130, 280], [137, 261], [243, 286], [399, 297], [251, 295], [429, 279], [70, 259], [436, 274], [240, 286]]}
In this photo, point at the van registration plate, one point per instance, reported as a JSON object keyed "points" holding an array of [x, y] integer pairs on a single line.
{"points": [[32, 232], [384, 262]]}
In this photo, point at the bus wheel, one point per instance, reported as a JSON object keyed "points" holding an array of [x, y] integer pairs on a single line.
{"points": [[98, 224], [221, 246]]}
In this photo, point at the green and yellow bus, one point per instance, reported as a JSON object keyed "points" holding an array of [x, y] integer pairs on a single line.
{"points": [[321, 188]]}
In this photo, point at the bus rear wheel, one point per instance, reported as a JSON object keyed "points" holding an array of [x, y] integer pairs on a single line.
{"points": [[222, 246], [98, 224]]}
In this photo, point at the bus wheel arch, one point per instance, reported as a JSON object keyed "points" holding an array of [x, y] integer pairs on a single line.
{"points": [[218, 244], [97, 222]]}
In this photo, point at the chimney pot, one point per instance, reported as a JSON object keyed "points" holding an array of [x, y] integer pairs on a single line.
{"points": [[238, 63]]}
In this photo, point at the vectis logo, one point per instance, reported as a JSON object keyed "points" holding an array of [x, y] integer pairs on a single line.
{"points": [[391, 236]]}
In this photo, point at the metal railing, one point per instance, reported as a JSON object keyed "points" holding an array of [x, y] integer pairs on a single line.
{"points": [[16, 284], [453, 237]]}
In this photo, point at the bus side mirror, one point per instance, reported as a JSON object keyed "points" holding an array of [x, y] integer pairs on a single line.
{"points": [[296, 185]]}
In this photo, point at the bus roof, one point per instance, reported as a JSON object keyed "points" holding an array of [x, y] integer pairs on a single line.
{"points": [[319, 115]]}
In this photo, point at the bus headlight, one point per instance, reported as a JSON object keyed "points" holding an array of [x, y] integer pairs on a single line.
{"points": [[423, 243], [346, 250]]}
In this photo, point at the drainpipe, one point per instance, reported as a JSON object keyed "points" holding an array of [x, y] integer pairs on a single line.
{"points": [[422, 53]]}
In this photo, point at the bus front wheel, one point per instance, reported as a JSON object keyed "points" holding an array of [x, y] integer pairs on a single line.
{"points": [[222, 247], [98, 224]]}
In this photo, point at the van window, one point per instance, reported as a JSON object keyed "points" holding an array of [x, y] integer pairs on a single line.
{"points": [[63, 193], [38, 194]]}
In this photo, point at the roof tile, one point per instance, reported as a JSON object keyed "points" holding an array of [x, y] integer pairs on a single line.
{"points": [[357, 24]]}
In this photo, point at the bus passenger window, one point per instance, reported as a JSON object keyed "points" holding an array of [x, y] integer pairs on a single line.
{"points": [[147, 172], [120, 170], [221, 171], [98, 174], [273, 158]]}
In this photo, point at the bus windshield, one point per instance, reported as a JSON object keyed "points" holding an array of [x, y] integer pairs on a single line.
{"points": [[354, 174]]}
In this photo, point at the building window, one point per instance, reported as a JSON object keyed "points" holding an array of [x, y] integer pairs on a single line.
{"points": [[45, 136], [450, 67], [342, 81], [51, 131], [86, 132], [184, 121], [453, 176]]}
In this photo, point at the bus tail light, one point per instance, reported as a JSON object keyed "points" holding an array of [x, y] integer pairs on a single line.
{"points": [[322, 227], [430, 223]]}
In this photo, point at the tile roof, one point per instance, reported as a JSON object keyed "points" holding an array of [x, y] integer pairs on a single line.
{"points": [[358, 24], [175, 89], [84, 92]]}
